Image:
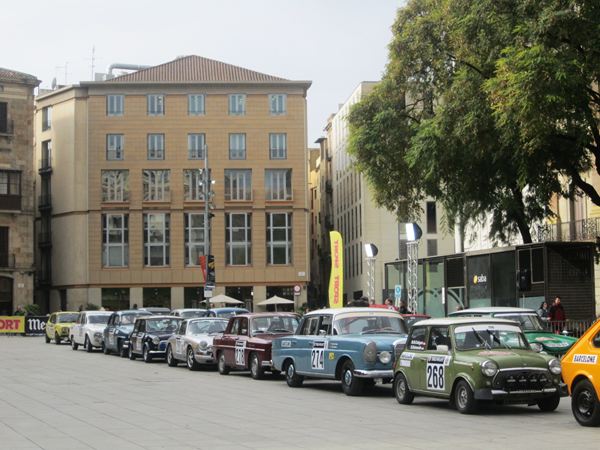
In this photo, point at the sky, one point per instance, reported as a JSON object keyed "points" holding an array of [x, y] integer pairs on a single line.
{"points": [[334, 43]]}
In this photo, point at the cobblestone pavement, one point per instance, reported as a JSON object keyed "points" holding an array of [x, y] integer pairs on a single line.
{"points": [[54, 398]]}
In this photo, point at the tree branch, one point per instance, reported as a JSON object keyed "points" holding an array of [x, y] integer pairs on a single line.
{"points": [[468, 64], [587, 188]]}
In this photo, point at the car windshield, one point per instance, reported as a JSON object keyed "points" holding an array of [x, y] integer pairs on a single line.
{"points": [[411, 320], [371, 323], [274, 324], [128, 319], [66, 318], [528, 322], [230, 313], [162, 325], [206, 327], [193, 313], [98, 318], [489, 336]]}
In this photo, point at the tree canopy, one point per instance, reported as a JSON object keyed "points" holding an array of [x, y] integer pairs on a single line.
{"points": [[488, 106]]}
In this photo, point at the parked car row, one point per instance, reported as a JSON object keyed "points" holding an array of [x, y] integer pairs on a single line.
{"points": [[493, 355]]}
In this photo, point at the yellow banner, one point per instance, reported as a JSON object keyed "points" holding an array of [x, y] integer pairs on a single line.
{"points": [[12, 324], [336, 280]]}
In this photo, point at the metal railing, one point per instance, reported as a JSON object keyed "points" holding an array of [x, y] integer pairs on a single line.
{"points": [[45, 163], [569, 327], [578, 230]]}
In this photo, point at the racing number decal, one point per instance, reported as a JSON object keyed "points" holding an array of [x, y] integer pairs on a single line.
{"points": [[436, 377], [240, 348], [317, 356]]}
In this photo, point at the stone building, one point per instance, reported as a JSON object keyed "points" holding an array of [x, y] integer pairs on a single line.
{"points": [[16, 189]]}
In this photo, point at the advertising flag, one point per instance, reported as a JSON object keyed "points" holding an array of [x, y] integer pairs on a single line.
{"points": [[336, 280]]}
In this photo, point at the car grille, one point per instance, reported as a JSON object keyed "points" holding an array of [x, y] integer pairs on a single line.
{"points": [[522, 380], [162, 346]]}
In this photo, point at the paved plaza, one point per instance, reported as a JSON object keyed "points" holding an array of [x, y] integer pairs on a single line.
{"points": [[54, 398]]}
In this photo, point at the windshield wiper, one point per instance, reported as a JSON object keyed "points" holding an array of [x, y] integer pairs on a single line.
{"points": [[495, 338], [482, 340]]}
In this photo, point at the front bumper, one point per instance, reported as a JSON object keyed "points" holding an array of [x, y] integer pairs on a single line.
{"points": [[363, 373], [204, 357], [501, 394]]}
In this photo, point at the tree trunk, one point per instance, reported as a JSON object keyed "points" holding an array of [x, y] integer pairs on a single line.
{"points": [[519, 214]]}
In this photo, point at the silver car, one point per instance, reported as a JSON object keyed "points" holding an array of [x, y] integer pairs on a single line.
{"points": [[193, 342]]}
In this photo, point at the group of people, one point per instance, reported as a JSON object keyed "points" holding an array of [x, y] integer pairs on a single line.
{"points": [[554, 313]]}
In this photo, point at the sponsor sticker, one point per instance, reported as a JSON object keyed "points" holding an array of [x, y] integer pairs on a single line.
{"points": [[405, 362], [407, 356], [286, 344], [331, 356], [585, 359]]}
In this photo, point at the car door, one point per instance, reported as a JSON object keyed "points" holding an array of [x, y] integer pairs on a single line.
{"points": [[319, 344], [109, 332], [228, 341], [241, 343], [436, 360], [50, 325], [81, 329], [180, 340], [413, 359], [136, 335], [302, 344]]}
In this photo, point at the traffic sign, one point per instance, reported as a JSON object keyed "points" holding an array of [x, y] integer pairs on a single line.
{"points": [[297, 289], [398, 292]]}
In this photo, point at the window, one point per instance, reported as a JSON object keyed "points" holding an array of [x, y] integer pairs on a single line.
{"points": [[196, 145], [4, 247], [277, 104], [432, 247], [278, 184], [46, 118], [278, 146], [192, 184], [115, 185], [156, 185], [115, 240], [238, 184], [438, 336], [156, 105], [310, 326], [3, 117], [237, 104], [46, 154], [195, 104], [156, 146], [194, 238], [431, 218], [238, 239], [156, 239], [416, 340], [237, 146], [115, 105], [114, 147], [279, 238]]}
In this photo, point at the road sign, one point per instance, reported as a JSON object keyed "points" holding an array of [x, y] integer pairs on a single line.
{"points": [[398, 292], [297, 289]]}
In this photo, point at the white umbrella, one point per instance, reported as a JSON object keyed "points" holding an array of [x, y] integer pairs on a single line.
{"points": [[275, 300], [224, 299]]}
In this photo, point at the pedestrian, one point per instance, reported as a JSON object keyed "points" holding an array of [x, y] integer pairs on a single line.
{"points": [[20, 311], [135, 306], [557, 315], [403, 308], [372, 302], [543, 311], [389, 304]]}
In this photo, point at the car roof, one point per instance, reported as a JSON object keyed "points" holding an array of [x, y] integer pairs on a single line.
{"points": [[131, 311], [352, 309], [229, 308], [159, 316], [188, 309], [492, 310], [268, 314], [446, 321], [66, 312], [201, 319], [98, 312]]}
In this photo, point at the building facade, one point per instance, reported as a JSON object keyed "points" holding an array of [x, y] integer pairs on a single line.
{"points": [[16, 190], [126, 191]]}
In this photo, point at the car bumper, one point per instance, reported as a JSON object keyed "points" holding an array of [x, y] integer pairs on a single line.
{"points": [[500, 394], [362, 373], [205, 358]]}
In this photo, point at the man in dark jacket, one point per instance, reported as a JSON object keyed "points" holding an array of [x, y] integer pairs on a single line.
{"points": [[557, 315]]}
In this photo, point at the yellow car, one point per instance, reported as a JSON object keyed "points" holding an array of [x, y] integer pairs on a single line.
{"points": [[581, 373], [59, 324]]}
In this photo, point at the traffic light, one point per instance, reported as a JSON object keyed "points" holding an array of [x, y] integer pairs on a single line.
{"points": [[210, 269], [524, 279]]}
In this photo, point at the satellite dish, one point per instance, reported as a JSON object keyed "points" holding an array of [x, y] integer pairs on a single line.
{"points": [[53, 83]]}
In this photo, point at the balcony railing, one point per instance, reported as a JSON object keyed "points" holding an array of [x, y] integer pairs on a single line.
{"points": [[578, 230], [45, 164], [7, 260]]}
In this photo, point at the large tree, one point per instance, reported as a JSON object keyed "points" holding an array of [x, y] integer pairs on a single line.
{"points": [[444, 122]]}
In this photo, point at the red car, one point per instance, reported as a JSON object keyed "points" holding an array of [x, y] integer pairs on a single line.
{"points": [[246, 343]]}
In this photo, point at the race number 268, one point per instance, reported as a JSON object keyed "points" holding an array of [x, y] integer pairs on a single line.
{"points": [[435, 377]]}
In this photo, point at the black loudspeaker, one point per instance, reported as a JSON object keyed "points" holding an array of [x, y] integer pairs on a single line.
{"points": [[524, 279]]}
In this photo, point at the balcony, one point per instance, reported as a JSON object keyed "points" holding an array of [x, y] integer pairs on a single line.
{"points": [[578, 230], [45, 202], [44, 240], [7, 261], [45, 165]]}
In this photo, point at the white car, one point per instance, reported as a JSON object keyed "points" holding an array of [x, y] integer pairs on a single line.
{"points": [[192, 342], [88, 329]]}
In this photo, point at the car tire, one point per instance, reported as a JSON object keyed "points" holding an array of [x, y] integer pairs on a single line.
{"points": [[131, 354], [350, 384], [256, 370], [401, 391], [105, 349], [464, 399], [585, 404], [47, 338], [222, 365], [549, 404], [87, 344], [146, 356], [190, 360], [74, 346], [291, 376], [123, 352], [56, 339], [171, 361]]}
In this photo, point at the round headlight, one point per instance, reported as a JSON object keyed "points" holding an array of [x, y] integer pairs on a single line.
{"points": [[370, 352], [554, 366], [155, 340], [385, 357], [489, 368], [203, 345]]}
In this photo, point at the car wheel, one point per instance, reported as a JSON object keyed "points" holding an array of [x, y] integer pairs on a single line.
{"points": [[464, 399], [87, 345], [122, 351], [47, 339], [350, 384], [74, 346], [56, 339], [256, 370], [171, 361], [191, 362], [585, 405], [146, 356], [549, 404], [291, 377], [401, 390], [131, 354], [223, 369], [105, 349]]}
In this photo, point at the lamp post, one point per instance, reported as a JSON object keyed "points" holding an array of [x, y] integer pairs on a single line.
{"points": [[413, 234], [371, 251], [209, 261]]}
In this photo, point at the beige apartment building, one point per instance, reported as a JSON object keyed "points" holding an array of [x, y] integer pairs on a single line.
{"points": [[16, 190], [122, 187]]}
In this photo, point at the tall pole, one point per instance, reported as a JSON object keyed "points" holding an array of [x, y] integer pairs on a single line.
{"points": [[412, 248], [206, 192]]}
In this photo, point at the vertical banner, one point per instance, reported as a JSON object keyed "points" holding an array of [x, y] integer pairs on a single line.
{"points": [[336, 280]]}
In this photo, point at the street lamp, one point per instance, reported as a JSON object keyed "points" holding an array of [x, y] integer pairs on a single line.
{"points": [[413, 234], [371, 251]]}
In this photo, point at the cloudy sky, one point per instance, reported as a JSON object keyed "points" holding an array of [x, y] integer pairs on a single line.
{"points": [[334, 43]]}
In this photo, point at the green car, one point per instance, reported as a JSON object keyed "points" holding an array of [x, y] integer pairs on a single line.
{"points": [[534, 328], [470, 359]]}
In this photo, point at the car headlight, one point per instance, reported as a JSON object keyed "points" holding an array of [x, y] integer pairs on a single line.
{"points": [[489, 368], [203, 345], [370, 352], [554, 366], [155, 340], [385, 357], [98, 335]]}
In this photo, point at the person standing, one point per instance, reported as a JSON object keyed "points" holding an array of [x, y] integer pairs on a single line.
{"points": [[557, 315], [543, 311]]}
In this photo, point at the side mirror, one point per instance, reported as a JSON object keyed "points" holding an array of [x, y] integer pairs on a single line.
{"points": [[536, 347], [442, 348]]}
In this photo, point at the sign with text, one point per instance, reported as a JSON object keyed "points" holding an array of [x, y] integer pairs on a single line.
{"points": [[336, 280], [35, 325], [28, 325]]}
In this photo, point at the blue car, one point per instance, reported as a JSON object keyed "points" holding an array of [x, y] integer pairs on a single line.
{"points": [[354, 345], [117, 331]]}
